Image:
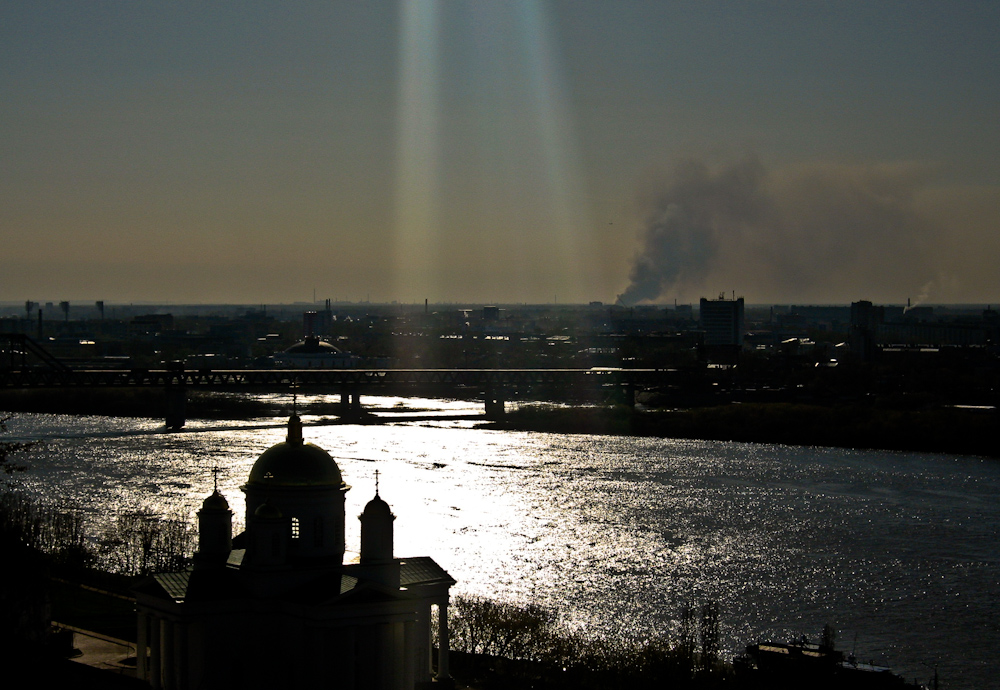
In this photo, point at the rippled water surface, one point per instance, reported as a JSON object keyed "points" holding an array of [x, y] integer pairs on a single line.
{"points": [[897, 551]]}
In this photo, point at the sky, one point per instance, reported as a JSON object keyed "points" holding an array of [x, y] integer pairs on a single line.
{"points": [[500, 152]]}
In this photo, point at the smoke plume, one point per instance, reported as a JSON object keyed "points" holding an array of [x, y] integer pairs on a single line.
{"points": [[808, 233]]}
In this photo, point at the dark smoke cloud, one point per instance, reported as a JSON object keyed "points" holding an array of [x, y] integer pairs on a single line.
{"points": [[798, 234]]}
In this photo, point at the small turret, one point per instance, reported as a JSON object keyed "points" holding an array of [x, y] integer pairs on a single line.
{"points": [[215, 532], [376, 532], [294, 436], [376, 543]]}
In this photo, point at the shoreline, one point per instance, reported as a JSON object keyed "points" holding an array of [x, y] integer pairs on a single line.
{"points": [[943, 430], [949, 430]]}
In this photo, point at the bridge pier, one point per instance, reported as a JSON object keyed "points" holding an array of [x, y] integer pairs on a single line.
{"points": [[176, 404], [495, 404], [350, 402], [629, 395]]}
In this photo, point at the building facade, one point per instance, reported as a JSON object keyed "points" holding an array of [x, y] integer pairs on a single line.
{"points": [[722, 321]]}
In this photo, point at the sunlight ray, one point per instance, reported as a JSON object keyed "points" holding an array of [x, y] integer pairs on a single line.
{"points": [[417, 165]]}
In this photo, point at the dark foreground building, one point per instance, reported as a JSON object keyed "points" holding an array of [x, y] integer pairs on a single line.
{"points": [[277, 607]]}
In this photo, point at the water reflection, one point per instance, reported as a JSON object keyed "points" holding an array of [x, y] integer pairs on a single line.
{"points": [[619, 532]]}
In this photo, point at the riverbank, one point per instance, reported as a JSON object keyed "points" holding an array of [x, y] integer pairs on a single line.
{"points": [[952, 430], [143, 402], [944, 430]]}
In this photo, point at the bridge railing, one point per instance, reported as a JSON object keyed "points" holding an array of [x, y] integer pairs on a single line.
{"points": [[283, 378]]}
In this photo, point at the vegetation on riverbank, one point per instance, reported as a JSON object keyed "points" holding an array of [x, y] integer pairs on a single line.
{"points": [[42, 537], [61, 565], [942, 430], [126, 544], [515, 646]]}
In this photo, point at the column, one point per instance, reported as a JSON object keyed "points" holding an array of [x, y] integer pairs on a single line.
{"points": [[348, 640], [176, 401], [180, 656], [494, 404], [167, 662], [155, 654], [141, 660], [444, 672], [410, 655], [423, 647]]}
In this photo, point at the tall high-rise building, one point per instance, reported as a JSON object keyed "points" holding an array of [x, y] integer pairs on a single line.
{"points": [[865, 320], [722, 321]]}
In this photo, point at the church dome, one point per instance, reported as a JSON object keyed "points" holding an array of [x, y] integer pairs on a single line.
{"points": [[215, 502], [312, 345], [295, 463], [378, 508]]}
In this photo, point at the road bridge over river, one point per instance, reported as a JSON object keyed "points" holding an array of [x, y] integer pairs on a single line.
{"points": [[494, 386]]}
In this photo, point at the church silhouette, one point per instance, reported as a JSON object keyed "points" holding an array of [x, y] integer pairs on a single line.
{"points": [[277, 607]]}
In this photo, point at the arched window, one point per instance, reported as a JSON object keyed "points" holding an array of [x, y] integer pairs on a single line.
{"points": [[295, 528], [318, 531]]}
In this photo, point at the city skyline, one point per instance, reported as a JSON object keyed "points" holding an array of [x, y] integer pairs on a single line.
{"points": [[520, 152]]}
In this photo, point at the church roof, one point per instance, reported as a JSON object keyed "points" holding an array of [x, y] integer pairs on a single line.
{"points": [[227, 584], [174, 584], [378, 508], [215, 502], [422, 570], [295, 463]]}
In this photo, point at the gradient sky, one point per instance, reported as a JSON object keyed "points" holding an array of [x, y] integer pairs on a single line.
{"points": [[518, 151]]}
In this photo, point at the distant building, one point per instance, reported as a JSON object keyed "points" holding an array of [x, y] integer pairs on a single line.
{"points": [[277, 607], [684, 311], [150, 324], [872, 331], [931, 335], [313, 353], [722, 321], [865, 320], [723, 325], [318, 322]]}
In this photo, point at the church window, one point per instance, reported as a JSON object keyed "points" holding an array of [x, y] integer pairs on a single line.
{"points": [[295, 528]]}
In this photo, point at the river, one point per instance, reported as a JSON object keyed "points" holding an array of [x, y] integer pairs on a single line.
{"points": [[897, 551]]}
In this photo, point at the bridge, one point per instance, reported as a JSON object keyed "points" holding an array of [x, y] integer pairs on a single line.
{"points": [[494, 386]]}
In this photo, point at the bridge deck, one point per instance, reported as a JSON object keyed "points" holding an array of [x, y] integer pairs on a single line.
{"points": [[335, 378]]}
